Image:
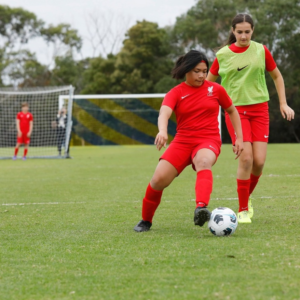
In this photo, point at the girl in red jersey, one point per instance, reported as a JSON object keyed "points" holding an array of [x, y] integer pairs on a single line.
{"points": [[24, 123], [241, 64], [195, 103]]}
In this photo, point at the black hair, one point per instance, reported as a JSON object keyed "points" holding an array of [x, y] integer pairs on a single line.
{"points": [[239, 18], [188, 62]]}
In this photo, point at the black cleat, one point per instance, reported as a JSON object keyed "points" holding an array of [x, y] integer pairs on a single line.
{"points": [[142, 226], [201, 215]]}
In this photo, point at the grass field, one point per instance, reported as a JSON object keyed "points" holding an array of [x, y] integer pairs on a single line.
{"points": [[66, 230]]}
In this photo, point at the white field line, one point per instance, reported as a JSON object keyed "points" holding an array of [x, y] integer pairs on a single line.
{"points": [[36, 203], [266, 197]]}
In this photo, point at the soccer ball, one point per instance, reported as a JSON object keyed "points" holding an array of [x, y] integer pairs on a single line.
{"points": [[223, 222]]}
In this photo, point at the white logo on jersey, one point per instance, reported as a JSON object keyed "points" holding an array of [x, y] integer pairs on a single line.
{"points": [[185, 96], [212, 147], [27, 116], [245, 112], [266, 136], [210, 90]]}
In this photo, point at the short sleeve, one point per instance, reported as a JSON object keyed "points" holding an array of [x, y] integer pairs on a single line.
{"points": [[18, 116], [224, 99], [270, 62], [171, 98], [214, 69], [31, 117]]}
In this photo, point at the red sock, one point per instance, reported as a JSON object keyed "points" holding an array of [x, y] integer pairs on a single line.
{"points": [[150, 203], [16, 151], [204, 183], [243, 193], [25, 152], [253, 182]]}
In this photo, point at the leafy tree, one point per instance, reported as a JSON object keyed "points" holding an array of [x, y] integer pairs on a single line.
{"points": [[60, 36], [69, 71], [97, 77], [143, 60]]}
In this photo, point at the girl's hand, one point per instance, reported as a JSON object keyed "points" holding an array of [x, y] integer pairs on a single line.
{"points": [[287, 112], [238, 148], [161, 139]]}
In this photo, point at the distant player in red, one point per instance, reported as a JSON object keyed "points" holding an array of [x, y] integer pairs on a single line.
{"points": [[24, 122], [195, 103]]}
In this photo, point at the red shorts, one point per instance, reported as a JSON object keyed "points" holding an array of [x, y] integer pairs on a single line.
{"points": [[255, 123], [180, 153], [23, 139]]}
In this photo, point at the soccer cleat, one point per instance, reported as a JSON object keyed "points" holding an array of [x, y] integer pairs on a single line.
{"points": [[250, 208], [142, 226], [24, 158], [201, 215], [14, 157], [243, 217]]}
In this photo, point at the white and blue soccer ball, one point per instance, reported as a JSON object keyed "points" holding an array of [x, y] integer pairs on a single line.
{"points": [[223, 222]]}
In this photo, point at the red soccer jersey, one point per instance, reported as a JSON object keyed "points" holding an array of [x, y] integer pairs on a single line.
{"points": [[197, 108], [24, 121], [270, 62]]}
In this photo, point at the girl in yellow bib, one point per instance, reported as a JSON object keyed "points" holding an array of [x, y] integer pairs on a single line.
{"points": [[241, 65]]}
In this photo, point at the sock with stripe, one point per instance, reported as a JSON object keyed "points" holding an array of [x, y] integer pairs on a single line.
{"points": [[150, 203]]}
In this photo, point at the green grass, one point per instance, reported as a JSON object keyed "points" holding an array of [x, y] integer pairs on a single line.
{"points": [[84, 247]]}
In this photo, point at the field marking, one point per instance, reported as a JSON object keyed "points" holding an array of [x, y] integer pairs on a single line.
{"points": [[263, 197], [41, 203]]}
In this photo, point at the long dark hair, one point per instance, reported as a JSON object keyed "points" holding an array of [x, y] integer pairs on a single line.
{"points": [[239, 18], [188, 62]]}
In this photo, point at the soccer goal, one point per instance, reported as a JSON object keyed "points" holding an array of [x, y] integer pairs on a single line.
{"points": [[51, 133]]}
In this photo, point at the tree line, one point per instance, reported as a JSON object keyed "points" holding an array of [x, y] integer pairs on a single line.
{"points": [[144, 62]]}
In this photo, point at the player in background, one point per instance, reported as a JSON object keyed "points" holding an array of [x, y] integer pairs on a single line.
{"points": [[195, 103], [241, 65], [24, 123]]}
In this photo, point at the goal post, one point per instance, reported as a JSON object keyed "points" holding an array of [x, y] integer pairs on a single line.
{"points": [[51, 132]]}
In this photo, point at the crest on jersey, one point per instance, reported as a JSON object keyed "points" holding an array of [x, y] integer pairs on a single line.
{"points": [[210, 90]]}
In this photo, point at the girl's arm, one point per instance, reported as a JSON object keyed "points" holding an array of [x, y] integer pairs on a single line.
{"points": [[163, 118], [30, 128], [211, 77], [236, 123], [18, 127], [285, 110]]}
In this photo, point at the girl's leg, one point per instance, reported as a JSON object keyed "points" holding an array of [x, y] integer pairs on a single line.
{"points": [[16, 150], [26, 146], [243, 176], [259, 158], [164, 174], [203, 161]]}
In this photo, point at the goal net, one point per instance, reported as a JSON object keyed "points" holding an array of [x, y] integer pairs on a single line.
{"points": [[52, 121]]}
